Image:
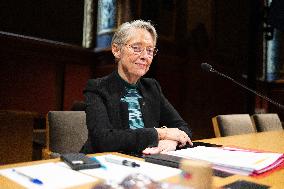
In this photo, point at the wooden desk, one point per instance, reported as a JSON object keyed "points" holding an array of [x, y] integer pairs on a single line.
{"points": [[268, 141]]}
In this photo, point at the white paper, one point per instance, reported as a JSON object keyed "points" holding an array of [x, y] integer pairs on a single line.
{"points": [[52, 176], [114, 173], [230, 159]]}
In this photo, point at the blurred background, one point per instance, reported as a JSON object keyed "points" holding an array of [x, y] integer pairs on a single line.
{"points": [[49, 49]]}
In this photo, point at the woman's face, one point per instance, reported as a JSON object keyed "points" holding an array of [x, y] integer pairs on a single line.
{"points": [[135, 57]]}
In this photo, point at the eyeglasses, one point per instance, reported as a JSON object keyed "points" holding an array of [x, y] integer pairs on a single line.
{"points": [[138, 49]]}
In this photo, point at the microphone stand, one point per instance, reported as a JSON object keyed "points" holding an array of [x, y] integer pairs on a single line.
{"points": [[209, 68]]}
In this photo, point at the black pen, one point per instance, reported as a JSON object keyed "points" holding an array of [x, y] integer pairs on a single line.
{"points": [[122, 162]]}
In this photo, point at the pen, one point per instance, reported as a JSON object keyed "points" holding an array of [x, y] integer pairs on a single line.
{"points": [[33, 180], [122, 162]]}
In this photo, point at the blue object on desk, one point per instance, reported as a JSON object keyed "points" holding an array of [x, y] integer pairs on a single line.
{"points": [[33, 180], [102, 166]]}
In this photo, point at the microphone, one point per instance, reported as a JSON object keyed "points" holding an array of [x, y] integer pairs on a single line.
{"points": [[209, 68]]}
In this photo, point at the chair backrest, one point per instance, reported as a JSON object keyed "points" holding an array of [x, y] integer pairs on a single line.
{"points": [[267, 122], [66, 131], [234, 124]]}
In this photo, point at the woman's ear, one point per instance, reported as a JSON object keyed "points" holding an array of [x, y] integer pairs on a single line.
{"points": [[115, 51]]}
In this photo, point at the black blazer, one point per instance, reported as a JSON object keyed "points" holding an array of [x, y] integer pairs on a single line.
{"points": [[107, 116]]}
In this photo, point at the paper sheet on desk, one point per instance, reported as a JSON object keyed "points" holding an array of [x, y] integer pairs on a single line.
{"points": [[116, 173], [52, 176], [234, 160]]}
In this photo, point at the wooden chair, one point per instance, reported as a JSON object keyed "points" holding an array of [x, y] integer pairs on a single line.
{"points": [[233, 124], [267, 122], [16, 136], [66, 132]]}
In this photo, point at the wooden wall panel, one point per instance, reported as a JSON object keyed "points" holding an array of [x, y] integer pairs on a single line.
{"points": [[29, 84], [39, 75], [75, 80]]}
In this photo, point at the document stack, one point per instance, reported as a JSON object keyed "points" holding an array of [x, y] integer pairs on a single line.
{"points": [[233, 160]]}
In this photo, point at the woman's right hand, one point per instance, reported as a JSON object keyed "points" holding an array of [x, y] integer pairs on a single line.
{"points": [[163, 147]]}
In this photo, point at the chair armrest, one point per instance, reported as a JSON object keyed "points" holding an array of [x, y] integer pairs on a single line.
{"points": [[47, 154], [216, 127]]}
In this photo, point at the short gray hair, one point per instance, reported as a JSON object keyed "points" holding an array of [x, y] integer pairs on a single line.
{"points": [[123, 31]]}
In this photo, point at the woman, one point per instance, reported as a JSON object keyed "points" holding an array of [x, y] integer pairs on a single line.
{"points": [[125, 111]]}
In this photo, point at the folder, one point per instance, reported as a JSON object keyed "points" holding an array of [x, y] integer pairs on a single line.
{"points": [[233, 160]]}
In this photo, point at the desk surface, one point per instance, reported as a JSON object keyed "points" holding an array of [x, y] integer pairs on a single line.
{"points": [[268, 141]]}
